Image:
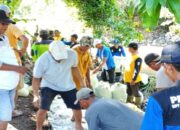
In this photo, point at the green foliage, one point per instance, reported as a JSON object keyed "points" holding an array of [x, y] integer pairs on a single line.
{"points": [[150, 11]]}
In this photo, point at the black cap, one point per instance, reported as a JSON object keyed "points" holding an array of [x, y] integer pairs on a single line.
{"points": [[151, 57], [75, 36], [4, 18], [171, 53], [133, 45]]}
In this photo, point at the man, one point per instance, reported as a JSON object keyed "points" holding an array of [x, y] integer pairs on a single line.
{"points": [[39, 48], [132, 75], [107, 62], [57, 35], [105, 114], [15, 35], [73, 42], [9, 74], [163, 109], [53, 73], [116, 49], [162, 81], [84, 60]]}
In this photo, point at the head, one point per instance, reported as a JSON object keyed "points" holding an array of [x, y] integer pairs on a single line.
{"points": [[44, 34], [153, 61], [116, 43], [58, 51], [86, 43], [133, 47], [57, 33], [4, 22], [170, 59], [85, 97], [6, 9], [74, 38], [98, 43], [51, 33]]}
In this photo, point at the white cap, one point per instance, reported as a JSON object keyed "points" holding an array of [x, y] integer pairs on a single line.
{"points": [[58, 50], [83, 93], [5, 8], [97, 41]]}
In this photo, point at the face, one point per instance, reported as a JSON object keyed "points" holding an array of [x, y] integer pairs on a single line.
{"points": [[3, 27], [57, 34], [85, 48], [99, 46], [154, 66], [170, 71], [116, 46], [73, 39], [131, 50], [84, 103]]}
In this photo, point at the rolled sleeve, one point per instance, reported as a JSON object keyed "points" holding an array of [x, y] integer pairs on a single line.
{"points": [[153, 119]]}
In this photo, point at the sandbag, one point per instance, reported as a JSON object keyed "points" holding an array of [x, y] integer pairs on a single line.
{"points": [[94, 80], [24, 92], [103, 90], [134, 108], [119, 92]]}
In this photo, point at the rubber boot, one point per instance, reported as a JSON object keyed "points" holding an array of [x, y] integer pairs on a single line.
{"points": [[130, 99], [138, 101]]}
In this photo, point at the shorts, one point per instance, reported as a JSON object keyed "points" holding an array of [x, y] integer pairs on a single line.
{"points": [[108, 75], [133, 90], [6, 104], [69, 97]]}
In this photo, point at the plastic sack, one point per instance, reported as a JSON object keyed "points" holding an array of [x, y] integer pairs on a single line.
{"points": [[94, 80], [103, 90], [119, 92], [24, 92], [134, 108], [145, 78]]}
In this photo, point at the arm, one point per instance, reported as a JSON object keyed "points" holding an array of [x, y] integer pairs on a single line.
{"points": [[153, 119], [88, 79], [100, 66], [25, 41], [78, 76], [137, 68], [123, 52]]}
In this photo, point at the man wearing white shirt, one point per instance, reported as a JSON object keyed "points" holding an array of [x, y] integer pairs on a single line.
{"points": [[9, 73]]}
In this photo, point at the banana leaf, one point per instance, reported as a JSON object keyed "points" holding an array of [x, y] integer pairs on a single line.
{"points": [[151, 6]]}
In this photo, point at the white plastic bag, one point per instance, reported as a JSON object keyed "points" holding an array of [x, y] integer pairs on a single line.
{"points": [[119, 92], [94, 80], [24, 92]]}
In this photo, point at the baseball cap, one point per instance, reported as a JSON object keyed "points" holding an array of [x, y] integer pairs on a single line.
{"points": [[133, 45], [152, 57], [115, 41], [83, 93], [5, 8], [97, 41], [86, 40], [171, 53], [4, 18], [58, 50]]}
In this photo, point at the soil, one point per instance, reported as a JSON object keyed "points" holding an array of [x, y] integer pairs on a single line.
{"points": [[27, 120]]}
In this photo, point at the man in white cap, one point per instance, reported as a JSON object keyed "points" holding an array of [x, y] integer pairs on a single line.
{"points": [[53, 74], [9, 73], [103, 114], [107, 61], [14, 35]]}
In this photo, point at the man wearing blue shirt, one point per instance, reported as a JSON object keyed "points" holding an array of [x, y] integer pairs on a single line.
{"points": [[116, 49], [163, 109], [107, 61]]}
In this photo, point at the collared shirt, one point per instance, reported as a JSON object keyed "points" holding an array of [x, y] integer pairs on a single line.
{"points": [[57, 76], [84, 63], [8, 79], [163, 110], [111, 115], [105, 52]]}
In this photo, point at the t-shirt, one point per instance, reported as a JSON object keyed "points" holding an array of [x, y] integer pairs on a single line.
{"points": [[105, 52], [57, 76], [8, 79], [118, 51], [106, 114], [84, 63], [162, 81], [13, 33]]}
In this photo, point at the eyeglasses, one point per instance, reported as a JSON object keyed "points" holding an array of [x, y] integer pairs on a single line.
{"points": [[4, 24]]}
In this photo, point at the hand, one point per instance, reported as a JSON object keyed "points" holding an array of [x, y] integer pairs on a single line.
{"points": [[36, 101], [132, 82], [21, 52], [95, 71], [21, 70]]}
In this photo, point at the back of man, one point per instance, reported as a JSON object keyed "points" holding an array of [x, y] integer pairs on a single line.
{"points": [[112, 115]]}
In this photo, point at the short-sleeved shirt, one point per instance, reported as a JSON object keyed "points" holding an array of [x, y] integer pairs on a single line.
{"points": [[118, 51], [8, 79], [111, 115], [57, 76], [13, 33], [105, 52], [162, 80], [84, 63]]}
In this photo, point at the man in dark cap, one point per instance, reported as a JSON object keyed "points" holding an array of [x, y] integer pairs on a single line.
{"points": [[9, 73], [163, 109]]}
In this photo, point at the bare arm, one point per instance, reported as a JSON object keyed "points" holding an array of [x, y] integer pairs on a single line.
{"points": [[78, 76], [100, 66], [88, 79], [36, 85]]}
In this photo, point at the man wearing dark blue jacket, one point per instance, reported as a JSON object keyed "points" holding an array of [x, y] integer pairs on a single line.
{"points": [[163, 110]]}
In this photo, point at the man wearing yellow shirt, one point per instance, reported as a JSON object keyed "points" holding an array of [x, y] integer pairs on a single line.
{"points": [[84, 60], [132, 75], [14, 35], [57, 35]]}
